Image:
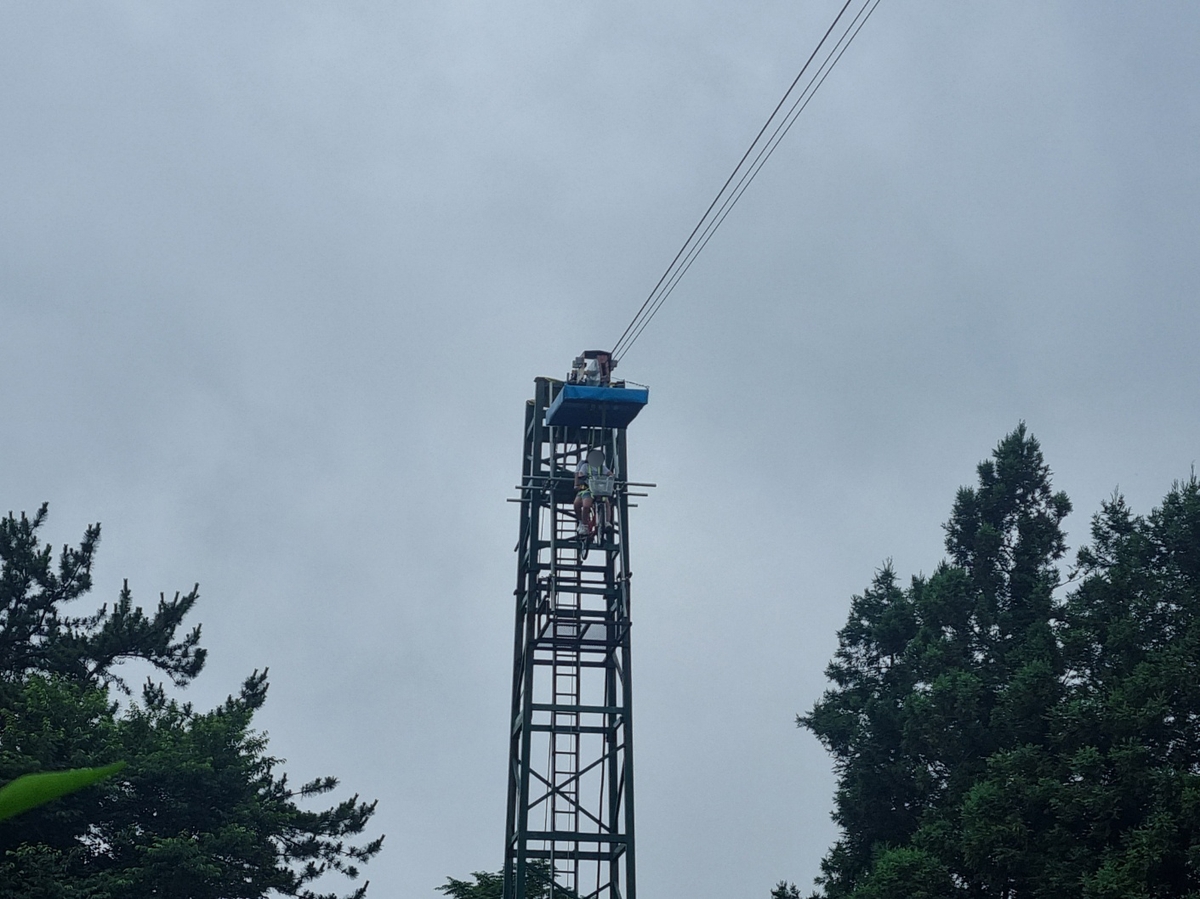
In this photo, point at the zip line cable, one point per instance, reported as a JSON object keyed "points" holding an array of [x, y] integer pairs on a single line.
{"points": [[748, 176], [744, 174], [732, 175]]}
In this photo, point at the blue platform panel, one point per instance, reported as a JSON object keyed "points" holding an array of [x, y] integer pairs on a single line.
{"points": [[577, 406]]}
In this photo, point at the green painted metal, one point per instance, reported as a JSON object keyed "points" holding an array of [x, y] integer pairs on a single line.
{"points": [[570, 780]]}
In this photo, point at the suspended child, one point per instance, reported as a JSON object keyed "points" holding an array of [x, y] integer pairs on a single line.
{"points": [[591, 467]]}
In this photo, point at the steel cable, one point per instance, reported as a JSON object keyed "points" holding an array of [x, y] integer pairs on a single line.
{"points": [[726, 198]]}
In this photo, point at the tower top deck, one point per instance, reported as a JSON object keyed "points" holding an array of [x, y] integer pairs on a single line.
{"points": [[591, 398]]}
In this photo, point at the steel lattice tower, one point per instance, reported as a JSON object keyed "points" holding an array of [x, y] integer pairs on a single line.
{"points": [[570, 780]]}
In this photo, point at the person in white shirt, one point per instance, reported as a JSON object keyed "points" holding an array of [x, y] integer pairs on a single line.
{"points": [[592, 466]]}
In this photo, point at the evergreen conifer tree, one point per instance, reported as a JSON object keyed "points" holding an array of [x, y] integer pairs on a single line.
{"points": [[540, 884], [932, 680], [199, 809], [991, 741]]}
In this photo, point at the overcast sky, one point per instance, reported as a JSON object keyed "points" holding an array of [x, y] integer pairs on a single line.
{"points": [[276, 278]]}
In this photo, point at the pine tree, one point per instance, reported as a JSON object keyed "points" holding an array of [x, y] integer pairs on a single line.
{"points": [[198, 811]]}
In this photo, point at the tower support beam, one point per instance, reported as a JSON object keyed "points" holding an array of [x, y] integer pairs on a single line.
{"points": [[570, 789]]}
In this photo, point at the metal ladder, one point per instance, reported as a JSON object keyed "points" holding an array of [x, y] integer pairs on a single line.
{"points": [[564, 738]]}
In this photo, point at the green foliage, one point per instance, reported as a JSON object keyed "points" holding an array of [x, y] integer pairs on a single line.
{"points": [[198, 811], [907, 873], [785, 890], [36, 635], [484, 886], [539, 885], [991, 740]]}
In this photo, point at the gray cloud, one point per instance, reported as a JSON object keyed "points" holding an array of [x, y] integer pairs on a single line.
{"points": [[277, 279]]}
